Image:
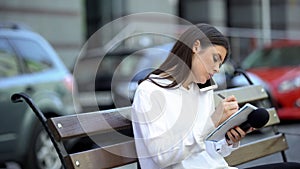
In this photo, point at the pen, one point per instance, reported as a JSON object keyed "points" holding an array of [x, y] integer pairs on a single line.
{"points": [[221, 96]]}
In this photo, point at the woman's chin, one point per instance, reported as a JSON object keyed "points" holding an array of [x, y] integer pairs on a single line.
{"points": [[202, 81]]}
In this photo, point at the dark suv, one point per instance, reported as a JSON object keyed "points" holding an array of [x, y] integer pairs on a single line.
{"points": [[29, 64]]}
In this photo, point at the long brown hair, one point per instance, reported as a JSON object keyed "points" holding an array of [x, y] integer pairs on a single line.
{"points": [[179, 62]]}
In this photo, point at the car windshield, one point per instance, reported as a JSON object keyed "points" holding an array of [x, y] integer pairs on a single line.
{"points": [[273, 57]]}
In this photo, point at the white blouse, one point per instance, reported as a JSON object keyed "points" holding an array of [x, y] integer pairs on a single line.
{"points": [[170, 126]]}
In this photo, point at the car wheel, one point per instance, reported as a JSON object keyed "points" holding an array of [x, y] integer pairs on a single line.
{"points": [[42, 154]]}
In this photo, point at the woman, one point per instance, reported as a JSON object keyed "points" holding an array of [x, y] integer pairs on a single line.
{"points": [[173, 108]]}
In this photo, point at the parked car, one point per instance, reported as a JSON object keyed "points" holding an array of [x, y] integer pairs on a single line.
{"points": [[98, 90], [277, 68], [29, 64], [95, 89]]}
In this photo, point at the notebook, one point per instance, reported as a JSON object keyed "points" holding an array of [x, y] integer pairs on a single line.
{"points": [[234, 120]]}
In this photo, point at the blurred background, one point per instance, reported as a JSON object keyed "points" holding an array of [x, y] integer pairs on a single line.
{"points": [[89, 55], [68, 24]]}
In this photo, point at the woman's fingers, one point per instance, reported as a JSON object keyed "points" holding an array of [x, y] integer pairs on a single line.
{"points": [[235, 134], [231, 105], [230, 108], [230, 98], [241, 132], [231, 138], [225, 109]]}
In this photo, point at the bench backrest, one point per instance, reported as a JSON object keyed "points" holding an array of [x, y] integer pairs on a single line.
{"points": [[118, 154]]}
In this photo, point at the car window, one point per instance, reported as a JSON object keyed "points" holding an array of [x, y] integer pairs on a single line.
{"points": [[8, 60], [34, 56], [276, 57], [288, 56]]}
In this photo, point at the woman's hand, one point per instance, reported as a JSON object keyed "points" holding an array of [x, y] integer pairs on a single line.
{"points": [[235, 135], [225, 109]]}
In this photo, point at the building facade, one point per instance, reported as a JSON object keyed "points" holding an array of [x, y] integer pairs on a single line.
{"points": [[60, 22]]}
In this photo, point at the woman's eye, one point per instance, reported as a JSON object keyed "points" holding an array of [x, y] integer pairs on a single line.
{"points": [[215, 58]]}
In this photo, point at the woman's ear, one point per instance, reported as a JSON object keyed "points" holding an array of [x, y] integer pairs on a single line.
{"points": [[196, 46]]}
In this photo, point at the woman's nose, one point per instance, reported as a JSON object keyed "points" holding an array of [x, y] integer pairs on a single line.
{"points": [[217, 69]]}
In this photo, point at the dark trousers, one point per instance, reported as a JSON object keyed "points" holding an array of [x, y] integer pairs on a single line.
{"points": [[287, 165]]}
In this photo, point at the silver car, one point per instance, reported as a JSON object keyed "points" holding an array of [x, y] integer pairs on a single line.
{"points": [[29, 64]]}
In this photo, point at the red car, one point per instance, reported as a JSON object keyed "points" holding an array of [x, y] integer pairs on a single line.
{"points": [[277, 68]]}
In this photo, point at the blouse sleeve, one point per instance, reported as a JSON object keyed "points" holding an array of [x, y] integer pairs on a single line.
{"points": [[165, 144], [221, 147]]}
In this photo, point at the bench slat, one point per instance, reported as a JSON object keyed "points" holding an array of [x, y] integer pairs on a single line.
{"points": [[257, 149], [274, 119], [66, 127], [106, 157], [88, 123], [243, 94], [254, 150]]}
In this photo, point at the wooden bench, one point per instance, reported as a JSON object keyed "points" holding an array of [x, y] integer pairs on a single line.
{"points": [[120, 151]]}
